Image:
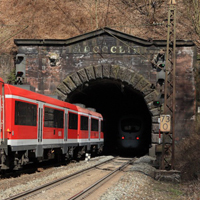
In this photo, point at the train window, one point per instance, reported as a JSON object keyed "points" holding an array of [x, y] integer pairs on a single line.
{"points": [[130, 125], [94, 126], [73, 121], [25, 114], [53, 118], [84, 123]]}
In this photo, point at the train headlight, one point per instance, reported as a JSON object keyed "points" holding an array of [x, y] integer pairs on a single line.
{"points": [[8, 130]]}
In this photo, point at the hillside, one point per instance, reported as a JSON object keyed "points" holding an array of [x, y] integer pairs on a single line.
{"points": [[57, 19]]}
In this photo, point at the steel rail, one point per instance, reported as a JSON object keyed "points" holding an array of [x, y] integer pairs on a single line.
{"points": [[37, 189], [97, 184]]}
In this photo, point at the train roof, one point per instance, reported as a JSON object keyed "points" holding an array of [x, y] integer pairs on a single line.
{"points": [[13, 90], [90, 112]]}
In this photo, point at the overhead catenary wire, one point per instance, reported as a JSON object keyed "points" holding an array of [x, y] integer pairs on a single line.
{"points": [[123, 13], [90, 13], [107, 12], [67, 16], [15, 34], [21, 30], [97, 24], [32, 21]]}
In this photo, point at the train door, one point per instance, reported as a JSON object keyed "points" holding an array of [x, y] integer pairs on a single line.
{"points": [[66, 125], [99, 129], [2, 104], [89, 128], [65, 145], [39, 149], [40, 121]]}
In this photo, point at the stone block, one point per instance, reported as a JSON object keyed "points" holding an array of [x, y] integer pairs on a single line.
{"points": [[142, 83], [155, 127], [106, 71], [62, 96], [155, 119], [69, 83], [147, 89], [151, 97], [114, 71], [135, 79], [90, 72], [83, 76], [150, 105], [98, 71], [169, 176], [75, 78], [122, 73], [63, 88], [152, 150], [155, 111], [129, 75]]}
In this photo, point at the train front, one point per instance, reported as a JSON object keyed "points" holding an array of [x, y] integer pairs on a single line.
{"points": [[131, 134]]}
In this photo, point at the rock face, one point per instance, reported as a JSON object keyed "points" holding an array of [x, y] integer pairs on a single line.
{"points": [[64, 65], [145, 165]]}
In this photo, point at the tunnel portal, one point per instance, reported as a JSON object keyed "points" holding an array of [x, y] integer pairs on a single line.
{"points": [[113, 99], [115, 69]]}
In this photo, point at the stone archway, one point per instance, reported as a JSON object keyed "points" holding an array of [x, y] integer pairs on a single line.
{"points": [[137, 81], [119, 73]]}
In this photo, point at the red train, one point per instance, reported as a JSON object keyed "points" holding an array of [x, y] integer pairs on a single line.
{"points": [[37, 127]]}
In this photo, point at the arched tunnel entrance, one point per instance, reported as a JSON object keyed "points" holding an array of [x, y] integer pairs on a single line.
{"points": [[115, 100]]}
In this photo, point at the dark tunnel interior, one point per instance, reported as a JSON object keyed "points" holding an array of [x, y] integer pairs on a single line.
{"points": [[113, 99]]}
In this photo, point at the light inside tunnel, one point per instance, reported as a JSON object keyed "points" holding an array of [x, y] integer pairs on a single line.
{"points": [[115, 100]]}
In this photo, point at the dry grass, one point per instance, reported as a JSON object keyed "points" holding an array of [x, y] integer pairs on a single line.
{"points": [[187, 157]]}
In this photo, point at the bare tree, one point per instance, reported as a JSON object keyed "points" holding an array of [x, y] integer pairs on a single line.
{"points": [[194, 13]]}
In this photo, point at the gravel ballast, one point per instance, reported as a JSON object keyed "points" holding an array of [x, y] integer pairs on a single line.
{"points": [[137, 183]]}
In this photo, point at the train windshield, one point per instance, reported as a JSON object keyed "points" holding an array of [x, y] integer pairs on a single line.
{"points": [[130, 125]]}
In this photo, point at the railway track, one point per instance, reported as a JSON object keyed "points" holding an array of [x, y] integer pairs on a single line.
{"points": [[36, 190], [79, 184], [92, 188]]}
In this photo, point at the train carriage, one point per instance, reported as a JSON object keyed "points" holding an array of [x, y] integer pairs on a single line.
{"points": [[90, 130], [34, 126]]}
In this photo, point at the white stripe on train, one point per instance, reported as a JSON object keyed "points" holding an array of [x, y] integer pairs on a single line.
{"points": [[22, 142]]}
